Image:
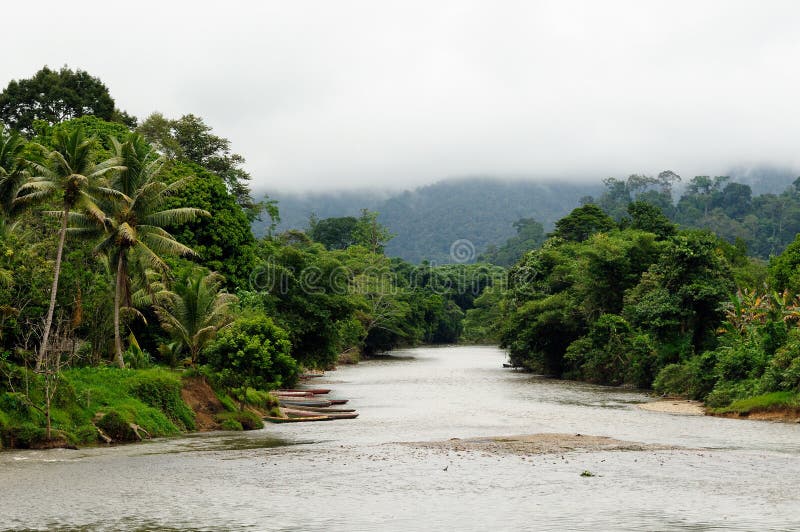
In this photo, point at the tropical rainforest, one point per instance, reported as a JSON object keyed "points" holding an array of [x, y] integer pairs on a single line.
{"points": [[129, 267]]}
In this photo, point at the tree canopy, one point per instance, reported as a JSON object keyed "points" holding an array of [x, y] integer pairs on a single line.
{"points": [[54, 96]]}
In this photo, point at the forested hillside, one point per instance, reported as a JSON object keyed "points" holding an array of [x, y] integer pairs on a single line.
{"points": [[427, 220]]}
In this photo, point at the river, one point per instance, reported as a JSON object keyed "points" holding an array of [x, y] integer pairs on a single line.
{"points": [[354, 475]]}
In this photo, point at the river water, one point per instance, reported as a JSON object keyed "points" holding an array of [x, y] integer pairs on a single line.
{"points": [[355, 475]]}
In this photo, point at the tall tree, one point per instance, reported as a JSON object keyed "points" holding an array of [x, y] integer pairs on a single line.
{"points": [[13, 174], [190, 138], [136, 220], [582, 223], [69, 172], [333, 233], [369, 233], [54, 96]]}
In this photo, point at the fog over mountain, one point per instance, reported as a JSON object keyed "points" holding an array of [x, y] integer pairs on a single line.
{"points": [[352, 94]]}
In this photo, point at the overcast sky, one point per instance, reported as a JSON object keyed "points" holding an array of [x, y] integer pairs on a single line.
{"points": [[336, 94]]}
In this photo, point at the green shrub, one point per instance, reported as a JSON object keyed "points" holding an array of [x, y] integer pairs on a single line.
{"points": [[783, 371], [163, 391], [726, 392], [674, 379], [245, 420], [136, 358], [740, 361], [116, 426], [23, 436], [231, 424], [252, 352], [763, 403], [227, 402], [85, 434], [250, 420], [693, 379], [261, 398]]}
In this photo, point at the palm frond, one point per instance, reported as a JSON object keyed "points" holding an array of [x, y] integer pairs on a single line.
{"points": [[167, 246], [177, 216]]}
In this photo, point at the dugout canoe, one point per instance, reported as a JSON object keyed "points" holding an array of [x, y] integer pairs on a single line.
{"points": [[323, 410], [304, 402], [294, 394], [275, 419], [308, 413], [315, 391]]}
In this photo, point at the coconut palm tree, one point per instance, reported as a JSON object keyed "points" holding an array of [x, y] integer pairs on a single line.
{"points": [[134, 202], [13, 175], [197, 308], [69, 172]]}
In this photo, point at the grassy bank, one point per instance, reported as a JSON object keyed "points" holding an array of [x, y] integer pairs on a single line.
{"points": [[105, 404], [779, 406]]}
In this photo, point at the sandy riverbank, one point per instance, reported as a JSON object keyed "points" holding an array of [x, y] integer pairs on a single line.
{"points": [[675, 406], [531, 444]]}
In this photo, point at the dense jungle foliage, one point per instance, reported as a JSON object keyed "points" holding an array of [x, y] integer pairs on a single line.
{"points": [[643, 303], [126, 245], [128, 264]]}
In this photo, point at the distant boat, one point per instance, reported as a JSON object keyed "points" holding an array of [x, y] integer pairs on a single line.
{"points": [[315, 391], [338, 401], [281, 393], [305, 402], [312, 375]]}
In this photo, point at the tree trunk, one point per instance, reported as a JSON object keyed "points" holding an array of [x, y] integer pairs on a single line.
{"points": [[47, 434], [117, 301], [53, 291]]}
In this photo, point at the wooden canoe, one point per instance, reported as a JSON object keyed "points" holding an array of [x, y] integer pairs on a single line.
{"points": [[323, 410], [314, 391], [304, 402], [332, 415], [338, 401], [298, 412], [281, 393], [274, 419]]}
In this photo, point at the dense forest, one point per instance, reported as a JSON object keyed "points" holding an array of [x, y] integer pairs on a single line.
{"points": [[128, 265], [758, 205], [427, 220], [640, 302]]}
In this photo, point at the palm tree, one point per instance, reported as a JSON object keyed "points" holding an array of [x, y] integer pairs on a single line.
{"points": [[69, 172], [134, 202], [196, 310], [13, 175]]}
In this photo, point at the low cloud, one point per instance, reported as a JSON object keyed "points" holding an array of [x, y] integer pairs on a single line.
{"points": [[390, 95]]}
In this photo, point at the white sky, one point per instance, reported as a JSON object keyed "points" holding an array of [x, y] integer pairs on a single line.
{"points": [[345, 94]]}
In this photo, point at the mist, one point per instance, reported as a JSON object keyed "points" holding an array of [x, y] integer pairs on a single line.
{"points": [[352, 95]]}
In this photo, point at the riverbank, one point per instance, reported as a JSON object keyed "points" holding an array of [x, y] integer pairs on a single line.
{"points": [[775, 406], [683, 407], [91, 406], [531, 444], [781, 407]]}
